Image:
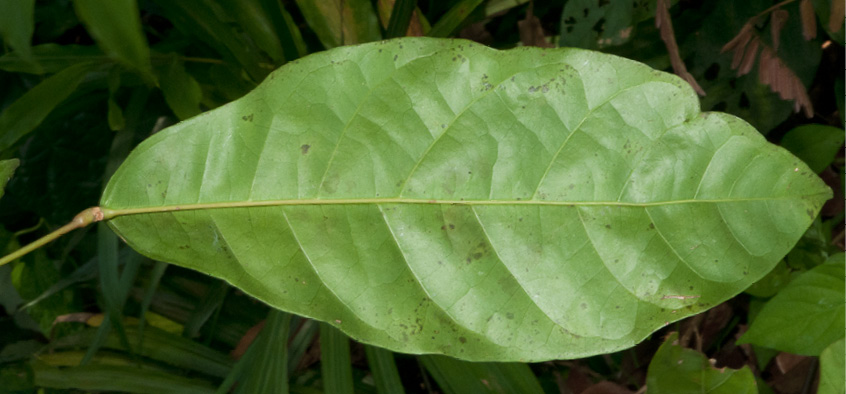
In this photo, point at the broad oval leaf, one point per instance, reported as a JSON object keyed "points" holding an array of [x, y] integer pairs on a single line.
{"points": [[437, 196]]}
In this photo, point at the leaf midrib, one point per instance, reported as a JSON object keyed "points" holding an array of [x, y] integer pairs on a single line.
{"points": [[112, 213]]}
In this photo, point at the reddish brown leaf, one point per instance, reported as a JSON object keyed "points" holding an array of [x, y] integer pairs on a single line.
{"points": [[740, 40], [809, 20], [246, 340], [777, 21], [835, 17], [531, 31], [782, 80], [749, 57], [665, 26]]}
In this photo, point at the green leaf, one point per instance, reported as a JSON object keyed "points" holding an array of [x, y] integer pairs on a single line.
{"points": [[832, 368], [675, 369], [53, 58], [400, 18], [7, 168], [156, 345], [116, 26], [335, 360], [454, 18], [182, 92], [807, 315], [257, 23], [27, 112], [593, 24], [341, 22], [17, 25], [456, 376], [121, 378], [384, 370], [437, 196], [815, 144], [264, 367]]}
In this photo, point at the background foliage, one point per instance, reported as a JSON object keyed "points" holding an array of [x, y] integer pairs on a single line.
{"points": [[84, 81]]}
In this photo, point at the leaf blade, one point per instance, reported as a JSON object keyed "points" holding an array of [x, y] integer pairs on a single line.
{"points": [[498, 257]]}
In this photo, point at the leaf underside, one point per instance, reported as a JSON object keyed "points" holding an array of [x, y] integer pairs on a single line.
{"points": [[437, 196]]}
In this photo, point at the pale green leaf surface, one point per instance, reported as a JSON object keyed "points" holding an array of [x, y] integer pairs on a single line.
{"points": [[833, 369], [807, 315], [116, 26], [815, 144], [678, 370], [437, 196]]}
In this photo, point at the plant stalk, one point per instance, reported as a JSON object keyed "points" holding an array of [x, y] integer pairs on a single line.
{"points": [[82, 219]]}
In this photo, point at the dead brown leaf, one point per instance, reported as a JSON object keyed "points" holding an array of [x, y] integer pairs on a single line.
{"points": [[246, 340], [531, 31], [777, 21], [809, 20], [836, 16]]}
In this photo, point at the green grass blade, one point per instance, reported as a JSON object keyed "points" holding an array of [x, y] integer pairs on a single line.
{"points": [[158, 345], [384, 370], [124, 379], [263, 367], [28, 111], [300, 343], [400, 18], [155, 278], [454, 18], [456, 376], [290, 37], [211, 302], [335, 360]]}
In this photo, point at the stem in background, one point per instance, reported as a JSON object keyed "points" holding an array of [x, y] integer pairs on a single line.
{"points": [[82, 219]]}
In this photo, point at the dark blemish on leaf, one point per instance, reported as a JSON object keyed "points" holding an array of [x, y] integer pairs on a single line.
{"points": [[443, 125], [520, 219], [651, 225], [184, 247], [532, 89], [296, 279], [305, 148], [571, 186], [248, 118], [399, 183], [468, 260], [451, 226], [616, 260], [395, 57], [453, 58], [440, 262], [509, 316], [477, 255], [583, 305], [380, 51], [462, 339], [443, 227], [149, 185], [691, 287], [617, 307], [608, 226]]}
